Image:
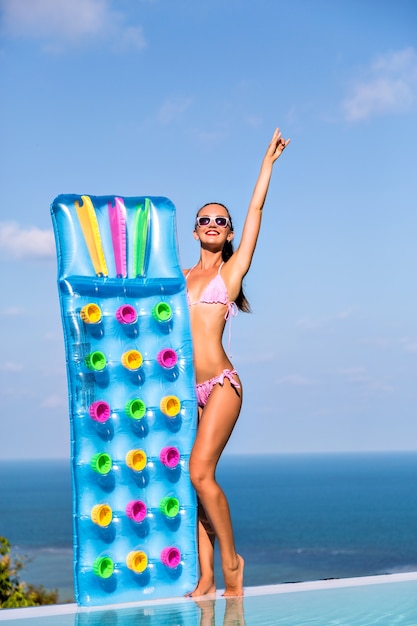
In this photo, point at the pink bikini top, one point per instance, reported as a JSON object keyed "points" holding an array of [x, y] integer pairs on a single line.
{"points": [[216, 293]]}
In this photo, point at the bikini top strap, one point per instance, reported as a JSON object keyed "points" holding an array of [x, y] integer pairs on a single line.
{"points": [[218, 271], [189, 272]]}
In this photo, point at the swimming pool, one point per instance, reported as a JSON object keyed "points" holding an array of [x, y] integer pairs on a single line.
{"points": [[384, 600]]}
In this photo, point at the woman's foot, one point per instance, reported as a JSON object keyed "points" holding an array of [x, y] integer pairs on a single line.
{"points": [[233, 578], [204, 587]]}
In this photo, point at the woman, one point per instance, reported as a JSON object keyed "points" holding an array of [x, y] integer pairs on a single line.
{"points": [[214, 287]]}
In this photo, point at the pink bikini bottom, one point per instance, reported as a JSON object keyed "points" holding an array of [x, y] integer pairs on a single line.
{"points": [[205, 389]]}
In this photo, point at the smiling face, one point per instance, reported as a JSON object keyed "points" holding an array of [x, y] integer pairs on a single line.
{"points": [[213, 224]]}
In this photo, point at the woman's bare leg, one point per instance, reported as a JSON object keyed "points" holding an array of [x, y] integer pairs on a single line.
{"points": [[215, 427], [206, 538]]}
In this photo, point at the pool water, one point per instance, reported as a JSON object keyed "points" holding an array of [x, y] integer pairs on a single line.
{"points": [[381, 600]]}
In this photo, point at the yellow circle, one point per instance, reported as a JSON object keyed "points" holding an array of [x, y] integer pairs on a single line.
{"points": [[136, 460], [101, 514], [91, 313], [132, 360], [137, 561], [170, 405]]}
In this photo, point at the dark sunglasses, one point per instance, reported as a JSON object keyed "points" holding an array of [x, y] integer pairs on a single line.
{"points": [[219, 220]]}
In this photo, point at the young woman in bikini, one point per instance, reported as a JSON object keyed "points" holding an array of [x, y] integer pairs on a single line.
{"points": [[214, 287]]}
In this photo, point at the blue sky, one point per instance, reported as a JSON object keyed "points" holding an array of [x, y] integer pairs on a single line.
{"points": [[180, 98]]}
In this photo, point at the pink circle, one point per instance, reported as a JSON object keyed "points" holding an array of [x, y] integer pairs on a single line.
{"points": [[126, 314], [171, 557], [136, 510], [170, 457], [99, 411], [167, 358]]}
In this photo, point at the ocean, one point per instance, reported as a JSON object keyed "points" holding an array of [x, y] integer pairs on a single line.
{"points": [[296, 517]]}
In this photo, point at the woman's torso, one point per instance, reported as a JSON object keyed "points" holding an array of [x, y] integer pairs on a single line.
{"points": [[209, 305]]}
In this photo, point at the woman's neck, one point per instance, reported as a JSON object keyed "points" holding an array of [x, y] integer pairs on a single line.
{"points": [[209, 260]]}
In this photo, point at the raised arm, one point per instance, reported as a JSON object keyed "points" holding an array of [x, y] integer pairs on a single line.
{"points": [[242, 258]]}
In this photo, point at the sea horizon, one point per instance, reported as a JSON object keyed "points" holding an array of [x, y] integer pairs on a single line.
{"points": [[297, 516]]}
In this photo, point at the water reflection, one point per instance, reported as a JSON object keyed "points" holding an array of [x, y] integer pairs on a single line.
{"points": [[233, 612], [207, 612]]}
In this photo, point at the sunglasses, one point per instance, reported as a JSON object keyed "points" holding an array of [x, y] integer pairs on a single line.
{"points": [[219, 220]]}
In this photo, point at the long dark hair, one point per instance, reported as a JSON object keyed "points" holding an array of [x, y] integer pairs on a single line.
{"points": [[242, 302]]}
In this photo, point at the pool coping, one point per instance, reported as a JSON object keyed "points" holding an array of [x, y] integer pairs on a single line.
{"points": [[282, 588]]}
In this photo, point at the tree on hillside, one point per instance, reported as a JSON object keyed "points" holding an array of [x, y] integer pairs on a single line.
{"points": [[13, 592]]}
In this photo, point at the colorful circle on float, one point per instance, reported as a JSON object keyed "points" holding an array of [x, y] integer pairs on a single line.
{"points": [[162, 312], [126, 314], [135, 409], [101, 463], [91, 313], [171, 557], [169, 506], [95, 361], [99, 411], [132, 360], [103, 567], [167, 358], [169, 456], [102, 515], [136, 510], [170, 406], [136, 460], [137, 561]]}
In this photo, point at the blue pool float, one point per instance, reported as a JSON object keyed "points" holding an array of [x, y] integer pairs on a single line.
{"points": [[131, 397]]}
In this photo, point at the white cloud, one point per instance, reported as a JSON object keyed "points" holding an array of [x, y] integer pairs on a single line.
{"points": [[129, 37], [376, 342], [11, 367], [261, 357], [359, 377], [172, 109], [353, 372], [295, 380], [207, 137], [343, 315], [388, 86], [54, 402], [253, 120], [308, 324], [29, 243], [13, 312], [59, 22]]}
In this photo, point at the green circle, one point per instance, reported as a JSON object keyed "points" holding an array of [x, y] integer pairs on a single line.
{"points": [[103, 567], [162, 312], [135, 409], [95, 361], [170, 506], [101, 463]]}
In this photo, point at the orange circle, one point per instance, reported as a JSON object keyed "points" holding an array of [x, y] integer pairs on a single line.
{"points": [[132, 360], [136, 460], [170, 405], [101, 514]]}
